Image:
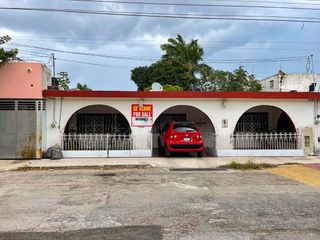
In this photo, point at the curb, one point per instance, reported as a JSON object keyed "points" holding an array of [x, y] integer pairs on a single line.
{"points": [[102, 167]]}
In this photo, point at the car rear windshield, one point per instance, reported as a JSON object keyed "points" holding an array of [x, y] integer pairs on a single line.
{"points": [[184, 127]]}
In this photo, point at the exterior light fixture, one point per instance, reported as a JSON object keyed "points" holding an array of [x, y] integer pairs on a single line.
{"points": [[224, 103], [140, 102]]}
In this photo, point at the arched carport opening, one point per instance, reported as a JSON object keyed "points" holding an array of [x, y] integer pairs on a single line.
{"points": [[97, 128], [186, 113], [265, 127]]}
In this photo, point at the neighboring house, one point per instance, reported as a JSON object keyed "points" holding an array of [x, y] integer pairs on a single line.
{"points": [[22, 109], [287, 82]]}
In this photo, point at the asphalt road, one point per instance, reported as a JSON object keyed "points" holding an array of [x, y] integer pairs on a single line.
{"points": [[156, 204]]}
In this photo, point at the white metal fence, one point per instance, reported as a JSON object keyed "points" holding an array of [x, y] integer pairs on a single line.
{"points": [[128, 145], [105, 142], [266, 141]]}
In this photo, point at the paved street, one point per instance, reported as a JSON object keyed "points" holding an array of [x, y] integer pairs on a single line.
{"points": [[156, 204]]}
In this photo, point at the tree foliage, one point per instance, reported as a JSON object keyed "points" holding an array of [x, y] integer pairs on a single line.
{"points": [[63, 81], [83, 87], [172, 88], [6, 55], [166, 71], [188, 54], [180, 64], [225, 81]]}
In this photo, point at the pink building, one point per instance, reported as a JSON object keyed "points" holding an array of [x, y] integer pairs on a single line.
{"points": [[22, 109], [21, 80]]}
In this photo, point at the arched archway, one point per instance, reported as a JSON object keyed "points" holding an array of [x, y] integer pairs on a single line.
{"points": [[97, 119], [186, 113], [265, 127], [264, 119], [96, 130]]}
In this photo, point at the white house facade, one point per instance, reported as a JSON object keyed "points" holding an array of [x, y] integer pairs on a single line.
{"points": [[286, 82], [126, 124]]}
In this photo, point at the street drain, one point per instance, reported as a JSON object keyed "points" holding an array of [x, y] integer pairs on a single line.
{"points": [[198, 169]]}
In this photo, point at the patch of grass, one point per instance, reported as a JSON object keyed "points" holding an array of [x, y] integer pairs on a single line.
{"points": [[249, 165], [28, 168]]}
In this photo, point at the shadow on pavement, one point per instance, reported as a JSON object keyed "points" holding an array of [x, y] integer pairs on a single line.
{"points": [[116, 233]]}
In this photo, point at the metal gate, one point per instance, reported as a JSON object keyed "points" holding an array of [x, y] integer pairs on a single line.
{"points": [[18, 127], [106, 145]]}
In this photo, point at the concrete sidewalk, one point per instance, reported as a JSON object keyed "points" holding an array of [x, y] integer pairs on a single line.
{"points": [[161, 162]]}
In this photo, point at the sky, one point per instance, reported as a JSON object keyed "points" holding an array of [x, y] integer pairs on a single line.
{"points": [[100, 50]]}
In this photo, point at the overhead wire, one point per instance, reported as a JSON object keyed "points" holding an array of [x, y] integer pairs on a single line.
{"points": [[271, 18], [197, 4], [295, 58]]}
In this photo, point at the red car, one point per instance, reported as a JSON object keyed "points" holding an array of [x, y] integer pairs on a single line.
{"points": [[180, 137]]}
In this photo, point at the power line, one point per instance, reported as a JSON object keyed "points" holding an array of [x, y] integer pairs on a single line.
{"points": [[122, 67], [282, 59], [260, 48], [272, 2], [103, 40], [85, 53], [176, 15], [198, 5], [257, 60]]}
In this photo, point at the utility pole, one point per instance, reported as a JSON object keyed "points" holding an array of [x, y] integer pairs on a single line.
{"points": [[53, 65], [312, 67]]}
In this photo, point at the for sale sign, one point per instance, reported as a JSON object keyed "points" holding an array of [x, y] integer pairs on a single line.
{"points": [[141, 115]]}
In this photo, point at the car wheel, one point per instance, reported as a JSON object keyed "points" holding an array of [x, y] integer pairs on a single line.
{"points": [[200, 154], [166, 152], [160, 148]]}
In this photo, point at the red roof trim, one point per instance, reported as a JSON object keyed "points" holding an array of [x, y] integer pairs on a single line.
{"points": [[133, 94]]}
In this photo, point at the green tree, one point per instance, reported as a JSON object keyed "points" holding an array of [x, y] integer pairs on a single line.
{"points": [[241, 80], [225, 81], [5, 55], [181, 63], [142, 77], [187, 53], [166, 71], [83, 87], [63, 80], [172, 88]]}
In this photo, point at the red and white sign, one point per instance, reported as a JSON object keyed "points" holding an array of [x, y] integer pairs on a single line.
{"points": [[141, 115]]}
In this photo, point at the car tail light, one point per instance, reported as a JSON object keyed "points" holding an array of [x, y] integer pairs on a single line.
{"points": [[173, 136]]}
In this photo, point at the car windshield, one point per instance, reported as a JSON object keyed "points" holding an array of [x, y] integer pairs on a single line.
{"points": [[184, 127]]}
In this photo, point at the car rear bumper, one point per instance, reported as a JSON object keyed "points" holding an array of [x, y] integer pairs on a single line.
{"points": [[185, 147]]}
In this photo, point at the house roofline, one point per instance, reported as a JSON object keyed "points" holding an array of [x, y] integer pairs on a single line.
{"points": [[186, 94]]}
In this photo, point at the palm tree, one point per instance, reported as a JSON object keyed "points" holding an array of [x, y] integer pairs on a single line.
{"points": [[83, 87], [188, 53]]}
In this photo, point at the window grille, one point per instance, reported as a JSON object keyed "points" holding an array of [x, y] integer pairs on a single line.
{"points": [[102, 123], [7, 105], [253, 122], [39, 105], [26, 105]]}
